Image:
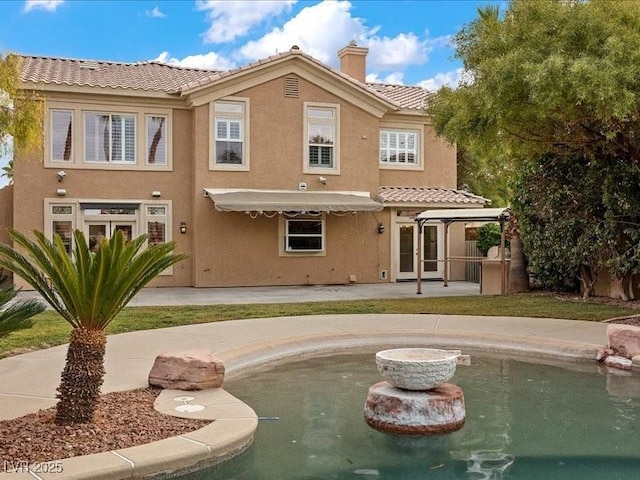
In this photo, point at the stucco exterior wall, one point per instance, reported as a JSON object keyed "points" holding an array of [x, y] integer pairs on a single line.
{"points": [[35, 182], [234, 249], [439, 165]]}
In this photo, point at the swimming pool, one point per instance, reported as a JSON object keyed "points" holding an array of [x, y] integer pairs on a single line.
{"points": [[524, 421]]}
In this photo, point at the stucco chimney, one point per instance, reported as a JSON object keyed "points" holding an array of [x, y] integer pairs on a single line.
{"points": [[353, 61]]}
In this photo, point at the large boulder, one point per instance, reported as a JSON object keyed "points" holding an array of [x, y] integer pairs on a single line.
{"points": [[199, 370], [624, 339]]}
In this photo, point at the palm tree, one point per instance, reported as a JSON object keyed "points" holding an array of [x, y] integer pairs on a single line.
{"points": [[87, 289], [8, 171], [18, 315]]}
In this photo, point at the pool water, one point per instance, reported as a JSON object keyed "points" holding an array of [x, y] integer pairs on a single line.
{"points": [[524, 421]]}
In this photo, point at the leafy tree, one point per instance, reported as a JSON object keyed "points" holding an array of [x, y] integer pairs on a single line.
{"points": [[483, 176], [88, 290], [555, 77], [578, 219], [488, 236], [18, 315], [557, 81], [21, 110]]}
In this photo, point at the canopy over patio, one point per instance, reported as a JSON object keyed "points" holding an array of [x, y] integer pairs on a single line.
{"points": [[450, 215], [291, 201]]}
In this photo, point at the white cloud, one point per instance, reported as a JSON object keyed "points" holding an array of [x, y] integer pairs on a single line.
{"points": [[325, 27], [394, 78], [319, 30], [388, 53], [49, 5], [155, 13], [209, 61], [230, 20], [451, 79]]}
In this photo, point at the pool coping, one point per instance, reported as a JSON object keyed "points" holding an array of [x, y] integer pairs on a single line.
{"points": [[234, 423]]}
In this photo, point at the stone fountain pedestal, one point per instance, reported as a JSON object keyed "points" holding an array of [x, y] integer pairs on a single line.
{"points": [[416, 399]]}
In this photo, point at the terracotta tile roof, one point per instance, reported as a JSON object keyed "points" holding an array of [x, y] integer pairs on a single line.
{"points": [[160, 77], [427, 195], [147, 76], [405, 96]]}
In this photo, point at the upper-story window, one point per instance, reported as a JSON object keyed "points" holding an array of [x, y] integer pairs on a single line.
{"points": [[61, 135], [230, 139], [399, 147], [103, 136], [321, 138], [156, 140], [110, 137]]}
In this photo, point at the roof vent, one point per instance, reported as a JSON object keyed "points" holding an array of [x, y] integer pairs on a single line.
{"points": [[291, 87], [89, 65]]}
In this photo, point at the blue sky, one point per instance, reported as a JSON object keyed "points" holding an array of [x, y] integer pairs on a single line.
{"points": [[409, 41]]}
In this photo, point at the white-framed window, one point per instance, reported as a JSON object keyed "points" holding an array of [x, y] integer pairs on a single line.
{"points": [[62, 220], [61, 137], [157, 224], [321, 138], [399, 147], [156, 141], [304, 235], [110, 138], [101, 218], [229, 135]]}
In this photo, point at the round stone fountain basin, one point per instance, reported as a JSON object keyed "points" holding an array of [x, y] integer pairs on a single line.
{"points": [[417, 368]]}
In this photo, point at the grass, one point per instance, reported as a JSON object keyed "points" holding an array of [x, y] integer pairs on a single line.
{"points": [[49, 329]]}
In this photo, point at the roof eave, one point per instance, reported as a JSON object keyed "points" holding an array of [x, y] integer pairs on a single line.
{"points": [[94, 89]]}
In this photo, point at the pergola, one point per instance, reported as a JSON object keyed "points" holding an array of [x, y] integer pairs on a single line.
{"points": [[449, 216]]}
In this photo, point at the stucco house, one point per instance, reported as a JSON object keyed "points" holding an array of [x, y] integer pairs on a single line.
{"points": [[281, 172]]}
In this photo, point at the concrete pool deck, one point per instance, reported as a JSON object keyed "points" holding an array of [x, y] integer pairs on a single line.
{"points": [[30, 380]]}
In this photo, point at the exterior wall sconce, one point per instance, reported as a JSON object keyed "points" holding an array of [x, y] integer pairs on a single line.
{"points": [[183, 227], [156, 194], [61, 192], [380, 228]]}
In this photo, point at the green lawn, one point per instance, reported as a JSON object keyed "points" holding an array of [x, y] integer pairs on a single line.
{"points": [[49, 329]]}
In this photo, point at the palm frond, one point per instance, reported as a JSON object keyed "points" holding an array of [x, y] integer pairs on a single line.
{"points": [[18, 315], [88, 289]]}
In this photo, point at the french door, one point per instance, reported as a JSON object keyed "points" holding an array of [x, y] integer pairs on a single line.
{"points": [[407, 249], [95, 231]]}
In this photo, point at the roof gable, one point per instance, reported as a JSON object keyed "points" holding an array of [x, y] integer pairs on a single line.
{"points": [[222, 84]]}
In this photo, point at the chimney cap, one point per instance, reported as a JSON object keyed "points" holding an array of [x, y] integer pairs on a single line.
{"points": [[295, 49]]}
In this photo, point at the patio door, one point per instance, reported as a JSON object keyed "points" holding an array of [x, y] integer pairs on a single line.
{"points": [[96, 231], [407, 249]]}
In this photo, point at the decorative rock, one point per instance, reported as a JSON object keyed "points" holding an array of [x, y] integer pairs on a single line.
{"points": [[635, 361], [625, 339], [616, 361], [435, 412], [417, 368], [602, 354], [187, 371]]}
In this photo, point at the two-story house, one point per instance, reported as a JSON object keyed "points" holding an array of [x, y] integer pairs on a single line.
{"points": [[281, 172]]}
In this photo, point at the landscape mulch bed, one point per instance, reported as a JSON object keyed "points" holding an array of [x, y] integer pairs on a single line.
{"points": [[123, 419]]}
